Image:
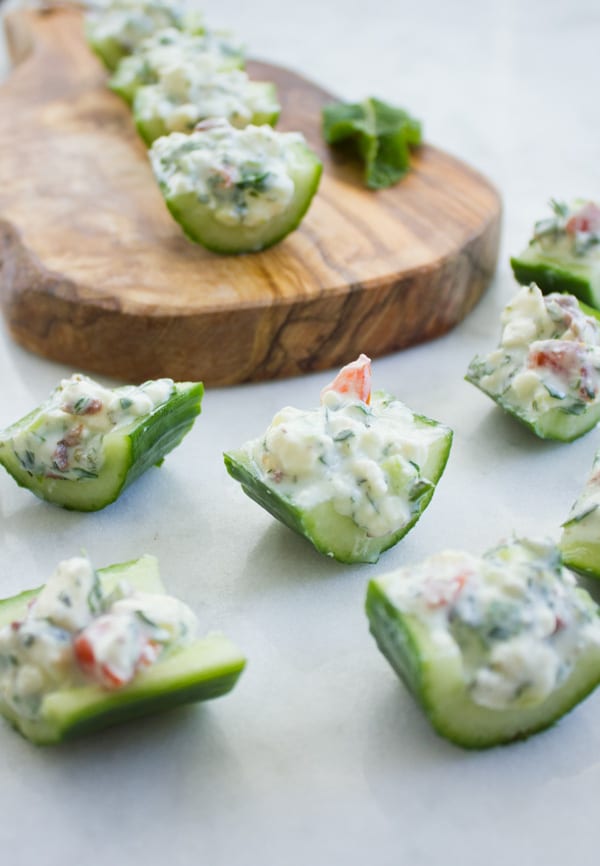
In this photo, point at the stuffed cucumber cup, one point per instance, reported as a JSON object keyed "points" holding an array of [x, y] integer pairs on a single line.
{"points": [[352, 476], [564, 252], [580, 541], [236, 190], [86, 443], [115, 28], [493, 648], [546, 370], [186, 95], [209, 52], [91, 649]]}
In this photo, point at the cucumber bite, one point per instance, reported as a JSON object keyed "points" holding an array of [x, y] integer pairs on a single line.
{"points": [[493, 648], [208, 52], [564, 252], [115, 28], [236, 190], [86, 443], [545, 372], [91, 649], [352, 476], [580, 541], [186, 95]]}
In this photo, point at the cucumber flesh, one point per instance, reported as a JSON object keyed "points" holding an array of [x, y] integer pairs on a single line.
{"points": [[205, 669], [434, 673], [128, 452]]}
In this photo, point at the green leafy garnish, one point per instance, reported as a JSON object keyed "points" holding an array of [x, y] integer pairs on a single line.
{"points": [[382, 134]]}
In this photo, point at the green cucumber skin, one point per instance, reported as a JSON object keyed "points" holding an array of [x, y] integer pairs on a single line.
{"points": [[210, 668], [363, 549], [462, 722], [109, 51], [553, 276], [580, 540], [200, 227], [152, 438], [556, 425], [582, 558]]}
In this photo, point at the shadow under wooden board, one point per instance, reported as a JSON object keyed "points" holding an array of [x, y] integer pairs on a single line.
{"points": [[95, 273]]}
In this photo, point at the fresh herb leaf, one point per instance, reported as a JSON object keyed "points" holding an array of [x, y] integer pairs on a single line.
{"points": [[381, 133]]}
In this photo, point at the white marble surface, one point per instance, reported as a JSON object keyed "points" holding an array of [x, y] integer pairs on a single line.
{"points": [[320, 756]]}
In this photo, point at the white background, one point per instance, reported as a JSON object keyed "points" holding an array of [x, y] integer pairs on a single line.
{"points": [[320, 756]]}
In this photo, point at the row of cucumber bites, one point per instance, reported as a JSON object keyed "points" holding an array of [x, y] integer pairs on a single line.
{"points": [[230, 180], [353, 476]]}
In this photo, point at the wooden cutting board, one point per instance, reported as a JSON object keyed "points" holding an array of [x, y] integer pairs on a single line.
{"points": [[95, 273]]}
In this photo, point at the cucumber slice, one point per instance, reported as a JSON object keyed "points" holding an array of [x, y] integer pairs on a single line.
{"points": [[209, 52], [580, 540], [342, 535], [564, 253], [558, 273], [268, 180], [123, 454], [432, 650], [546, 369], [158, 111], [205, 669]]}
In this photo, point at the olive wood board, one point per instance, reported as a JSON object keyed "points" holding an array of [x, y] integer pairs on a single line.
{"points": [[95, 273]]}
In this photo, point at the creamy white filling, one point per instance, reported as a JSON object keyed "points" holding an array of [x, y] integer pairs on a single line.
{"points": [[548, 357], [186, 95], [129, 22], [365, 460], [514, 616], [66, 439], [244, 177], [174, 49], [74, 633]]}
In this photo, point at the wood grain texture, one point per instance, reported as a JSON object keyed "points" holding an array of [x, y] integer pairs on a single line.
{"points": [[95, 273]]}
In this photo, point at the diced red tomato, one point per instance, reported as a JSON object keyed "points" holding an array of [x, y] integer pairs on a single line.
{"points": [[440, 593], [567, 359], [585, 220], [354, 380], [84, 653], [103, 673]]}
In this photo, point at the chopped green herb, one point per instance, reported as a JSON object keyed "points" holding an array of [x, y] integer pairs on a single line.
{"points": [[343, 435], [381, 133]]}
